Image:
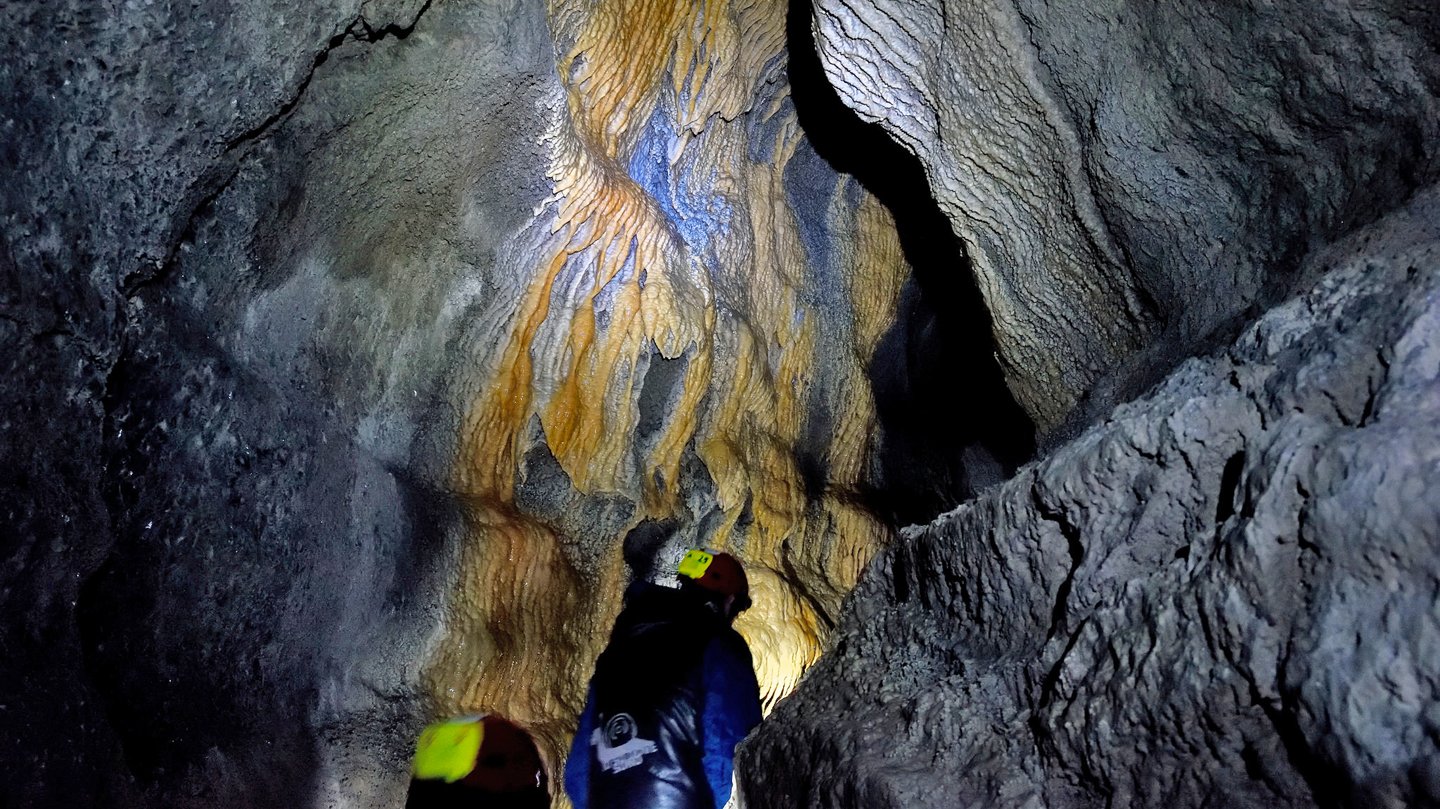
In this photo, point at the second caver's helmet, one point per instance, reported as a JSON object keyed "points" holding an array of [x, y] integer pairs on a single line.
{"points": [[720, 573]]}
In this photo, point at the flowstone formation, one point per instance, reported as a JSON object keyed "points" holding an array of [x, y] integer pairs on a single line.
{"points": [[357, 355], [683, 341], [1227, 594]]}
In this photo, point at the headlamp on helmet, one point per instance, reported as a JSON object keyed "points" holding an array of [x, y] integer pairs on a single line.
{"points": [[719, 573]]}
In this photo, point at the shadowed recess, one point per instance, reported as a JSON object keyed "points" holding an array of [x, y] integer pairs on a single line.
{"points": [[950, 424]]}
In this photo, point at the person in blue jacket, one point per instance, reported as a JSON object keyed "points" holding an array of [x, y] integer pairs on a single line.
{"points": [[673, 693]]}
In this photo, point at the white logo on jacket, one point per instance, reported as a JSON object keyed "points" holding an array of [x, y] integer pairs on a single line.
{"points": [[617, 747]]}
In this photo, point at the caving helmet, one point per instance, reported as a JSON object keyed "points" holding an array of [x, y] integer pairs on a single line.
{"points": [[482, 755], [717, 573]]}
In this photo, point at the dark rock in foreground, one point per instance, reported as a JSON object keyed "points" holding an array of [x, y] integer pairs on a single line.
{"points": [[1228, 594]]}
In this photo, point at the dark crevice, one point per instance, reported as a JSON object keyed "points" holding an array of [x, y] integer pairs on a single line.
{"points": [[946, 415], [643, 543], [45, 335], [219, 177], [1229, 483], [796, 579], [359, 30], [661, 387], [1059, 611], [1059, 624], [217, 181], [900, 576], [1044, 741], [1328, 787]]}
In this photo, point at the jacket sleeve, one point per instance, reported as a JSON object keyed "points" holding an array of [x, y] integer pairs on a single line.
{"points": [[577, 765], [732, 709]]}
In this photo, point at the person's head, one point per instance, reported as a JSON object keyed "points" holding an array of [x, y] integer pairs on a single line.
{"points": [[717, 579], [479, 760]]}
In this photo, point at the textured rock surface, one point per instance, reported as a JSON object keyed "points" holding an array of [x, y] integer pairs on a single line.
{"points": [[171, 606], [684, 332], [344, 345], [1228, 594], [1122, 172]]}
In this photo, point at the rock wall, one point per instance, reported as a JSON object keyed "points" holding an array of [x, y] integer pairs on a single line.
{"points": [[1224, 593], [1125, 175], [171, 605], [355, 355], [682, 341], [345, 346], [1227, 594]]}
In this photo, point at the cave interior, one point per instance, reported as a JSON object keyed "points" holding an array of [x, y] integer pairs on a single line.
{"points": [[1066, 374]]}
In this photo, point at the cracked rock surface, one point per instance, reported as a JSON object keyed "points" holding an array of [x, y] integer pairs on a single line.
{"points": [[223, 545], [1228, 594]]}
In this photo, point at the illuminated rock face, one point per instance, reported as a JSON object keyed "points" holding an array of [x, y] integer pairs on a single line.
{"points": [[683, 339], [350, 344], [1123, 174]]}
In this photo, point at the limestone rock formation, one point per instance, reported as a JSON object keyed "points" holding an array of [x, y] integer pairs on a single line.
{"points": [[1227, 594], [346, 345], [356, 353], [1122, 172]]}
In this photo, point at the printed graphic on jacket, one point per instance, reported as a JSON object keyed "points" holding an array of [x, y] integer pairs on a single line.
{"points": [[618, 746]]}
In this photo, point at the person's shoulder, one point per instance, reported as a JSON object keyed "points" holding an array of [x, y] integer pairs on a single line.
{"points": [[647, 594], [649, 603], [729, 643]]}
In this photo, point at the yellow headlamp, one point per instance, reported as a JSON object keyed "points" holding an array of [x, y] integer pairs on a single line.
{"points": [[447, 750], [695, 563]]}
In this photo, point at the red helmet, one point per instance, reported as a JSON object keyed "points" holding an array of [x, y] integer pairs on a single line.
{"points": [[717, 572]]}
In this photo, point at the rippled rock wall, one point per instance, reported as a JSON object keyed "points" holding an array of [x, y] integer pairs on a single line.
{"points": [[1129, 177]]}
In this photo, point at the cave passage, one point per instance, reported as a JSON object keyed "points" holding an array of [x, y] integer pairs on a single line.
{"points": [[358, 355]]}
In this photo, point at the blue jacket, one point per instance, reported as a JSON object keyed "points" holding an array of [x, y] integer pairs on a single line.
{"points": [[673, 695]]}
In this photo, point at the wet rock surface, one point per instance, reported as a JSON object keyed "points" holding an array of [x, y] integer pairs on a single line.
{"points": [[1227, 594]]}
